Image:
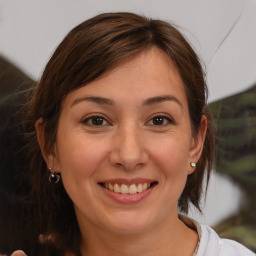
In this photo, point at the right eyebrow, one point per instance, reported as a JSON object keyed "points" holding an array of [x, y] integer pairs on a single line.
{"points": [[159, 99], [95, 99]]}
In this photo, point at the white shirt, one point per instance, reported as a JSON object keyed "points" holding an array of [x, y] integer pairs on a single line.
{"points": [[212, 245]]}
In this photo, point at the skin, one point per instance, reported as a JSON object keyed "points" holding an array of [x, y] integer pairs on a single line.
{"points": [[128, 144]]}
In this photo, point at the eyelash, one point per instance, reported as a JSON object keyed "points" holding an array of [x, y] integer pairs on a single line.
{"points": [[165, 118], [89, 120]]}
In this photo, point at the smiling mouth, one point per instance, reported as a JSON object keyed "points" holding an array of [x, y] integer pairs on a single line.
{"points": [[128, 189]]}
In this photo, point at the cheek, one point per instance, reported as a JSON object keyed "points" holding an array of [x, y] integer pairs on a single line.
{"points": [[172, 155], [172, 160], [80, 161], [79, 157]]}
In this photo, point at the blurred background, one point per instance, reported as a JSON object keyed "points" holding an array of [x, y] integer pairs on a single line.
{"points": [[223, 32]]}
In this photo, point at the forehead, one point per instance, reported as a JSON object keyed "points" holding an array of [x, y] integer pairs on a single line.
{"points": [[149, 74]]}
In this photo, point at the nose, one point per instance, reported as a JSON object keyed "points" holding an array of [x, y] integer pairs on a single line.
{"points": [[128, 150]]}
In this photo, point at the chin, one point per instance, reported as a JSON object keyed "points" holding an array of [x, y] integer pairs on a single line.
{"points": [[127, 223]]}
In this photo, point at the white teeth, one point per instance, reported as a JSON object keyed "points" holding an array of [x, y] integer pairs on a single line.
{"points": [[117, 188], [110, 187], [132, 189], [139, 188], [125, 189]]}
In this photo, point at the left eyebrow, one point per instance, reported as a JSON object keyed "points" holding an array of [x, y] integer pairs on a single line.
{"points": [[95, 99], [159, 99]]}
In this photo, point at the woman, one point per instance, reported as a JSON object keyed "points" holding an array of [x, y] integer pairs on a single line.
{"points": [[122, 139]]}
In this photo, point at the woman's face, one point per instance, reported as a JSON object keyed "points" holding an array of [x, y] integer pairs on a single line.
{"points": [[124, 146]]}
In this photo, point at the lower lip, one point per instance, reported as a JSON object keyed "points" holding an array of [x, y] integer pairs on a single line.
{"points": [[128, 198]]}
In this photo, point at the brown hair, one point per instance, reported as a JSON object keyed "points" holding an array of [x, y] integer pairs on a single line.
{"points": [[90, 50]]}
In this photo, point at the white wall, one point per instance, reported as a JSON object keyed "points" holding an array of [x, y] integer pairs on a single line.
{"points": [[222, 31]]}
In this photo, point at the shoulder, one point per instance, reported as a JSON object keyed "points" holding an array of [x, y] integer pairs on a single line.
{"points": [[230, 247], [212, 245]]}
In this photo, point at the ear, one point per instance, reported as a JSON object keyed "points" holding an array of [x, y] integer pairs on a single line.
{"points": [[49, 155], [197, 143]]}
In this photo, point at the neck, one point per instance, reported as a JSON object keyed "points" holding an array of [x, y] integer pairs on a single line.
{"points": [[163, 240]]}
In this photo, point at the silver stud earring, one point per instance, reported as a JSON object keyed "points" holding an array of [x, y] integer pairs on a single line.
{"points": [[53, 176], [193, 164]]}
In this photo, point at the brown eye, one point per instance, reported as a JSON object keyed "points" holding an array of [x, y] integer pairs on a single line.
{"points": [[160, 120], [96, 121]]}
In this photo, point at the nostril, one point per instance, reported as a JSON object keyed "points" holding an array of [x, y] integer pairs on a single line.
{"points": [[119, 164], [128, 156]]}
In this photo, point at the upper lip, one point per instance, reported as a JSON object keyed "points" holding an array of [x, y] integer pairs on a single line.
{"points": [[128, 181]]}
